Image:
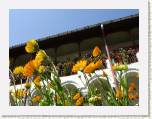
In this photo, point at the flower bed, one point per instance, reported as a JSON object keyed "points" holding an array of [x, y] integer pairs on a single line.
{"points": [[41, 75]]}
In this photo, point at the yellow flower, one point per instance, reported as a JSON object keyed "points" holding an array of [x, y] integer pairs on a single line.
{"points": [[77, 96], [37, 81], [90, 68], [80, 65], [36, 99], [115, 66], [30, 68], [27, 85], [95, 99], [119, 94], [119, 67], [40, 56], [96, 51], [131, 97], [57, 99], [31, 46], [80, 101], [19, 93], [18, 70], [41, 69]]}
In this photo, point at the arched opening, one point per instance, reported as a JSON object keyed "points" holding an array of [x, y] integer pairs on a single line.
{"points": [[133, 81], [133, 76], [70, 88], [33, 94], [98, 86]]}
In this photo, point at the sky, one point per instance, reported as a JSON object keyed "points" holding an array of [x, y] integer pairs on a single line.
{"points": [[26, 24]]}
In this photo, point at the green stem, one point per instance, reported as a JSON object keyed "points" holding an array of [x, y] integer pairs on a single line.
{"points": [[87, 83], [14, 87]]}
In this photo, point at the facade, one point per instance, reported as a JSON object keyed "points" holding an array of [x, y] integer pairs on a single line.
{"points": [[119, 33]]}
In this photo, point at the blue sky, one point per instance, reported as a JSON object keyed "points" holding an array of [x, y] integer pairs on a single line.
{"points": [[37, 23]]}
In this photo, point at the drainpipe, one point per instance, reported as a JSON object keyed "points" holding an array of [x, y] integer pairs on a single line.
{"points": [[115, 84]]}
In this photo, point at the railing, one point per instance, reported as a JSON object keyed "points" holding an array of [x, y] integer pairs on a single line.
{"points": [[122, 55]]}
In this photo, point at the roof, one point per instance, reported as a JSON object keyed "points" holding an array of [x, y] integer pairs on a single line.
{"points": [[77, 35]]}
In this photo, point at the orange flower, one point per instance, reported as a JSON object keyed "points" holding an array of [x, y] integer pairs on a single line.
{"points": [[30, 68], [36, 64], [36, 99], [37, 81], [90, 68], [98, 64], [80, 101], [77, 96], [96, 51], [93, 66], [130, 90], [132, 87]]}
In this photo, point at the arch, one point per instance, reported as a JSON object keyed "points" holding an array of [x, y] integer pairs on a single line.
{"points": [[95, 78], [71, 88], [98, 84], [34, 93], [133, 76], [72, 83]]}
